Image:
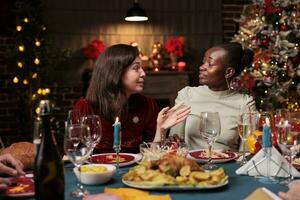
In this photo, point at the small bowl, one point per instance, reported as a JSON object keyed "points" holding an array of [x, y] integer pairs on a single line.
{"points": [[95, 178]]}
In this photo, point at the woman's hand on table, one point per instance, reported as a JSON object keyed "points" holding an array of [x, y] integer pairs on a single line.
{"points": [[102, 196], [293, 192]]}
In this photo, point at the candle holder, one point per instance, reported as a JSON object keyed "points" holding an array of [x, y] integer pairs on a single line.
{"points": [[117, 142]]}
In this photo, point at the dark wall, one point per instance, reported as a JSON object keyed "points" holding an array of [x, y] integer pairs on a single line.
{"points": [[66, 93]]}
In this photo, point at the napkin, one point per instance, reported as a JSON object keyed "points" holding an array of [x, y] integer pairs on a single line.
{"points": [[262, 194], [279, 166], [135, 194]]}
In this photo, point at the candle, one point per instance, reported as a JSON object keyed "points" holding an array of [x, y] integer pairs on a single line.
{"points": [[267, 134], [117, 133]]}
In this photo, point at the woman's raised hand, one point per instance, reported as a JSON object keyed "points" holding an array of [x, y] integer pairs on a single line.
{"points": [[169, 117]]}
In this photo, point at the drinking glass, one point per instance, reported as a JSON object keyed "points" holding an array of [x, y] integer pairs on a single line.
{"points": [[246, 127], [77, 146], [94, 124], [289, 138], [210, 128], [73, 116]]}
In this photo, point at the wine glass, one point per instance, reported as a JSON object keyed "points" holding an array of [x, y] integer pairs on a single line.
{"points": [[246, 127], [210, 128], [73, 116], [289, 138], [94, 124], [77, 146]]}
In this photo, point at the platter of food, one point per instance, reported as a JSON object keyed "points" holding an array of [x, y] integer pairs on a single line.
{"points": [[125, 159], [218, 156], [20, 187], [174, 172]]}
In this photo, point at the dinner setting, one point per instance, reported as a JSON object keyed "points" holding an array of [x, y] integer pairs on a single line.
{"points": [[151, 100]]}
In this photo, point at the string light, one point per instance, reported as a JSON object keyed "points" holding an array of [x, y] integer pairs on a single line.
{"points": [[34, 75], [39, 91], [15, 80], [25, 82], [33, 97], [37, 43], [21, 48], [47, 90], [26, 20], [19, 28], [20, 64], [44, 28], [266, 91], [36, 61], [37, 110]]}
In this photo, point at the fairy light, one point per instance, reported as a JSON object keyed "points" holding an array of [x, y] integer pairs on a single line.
{"points": [[37, 43], [15, 80], [20, 64], [47, 90], [37, 110], [25, 82], [44, 28], [19, 28], [33, 97], [21, 48], [34, 75], [266, 91], [26, 20], [39, 91], [36, 61]]}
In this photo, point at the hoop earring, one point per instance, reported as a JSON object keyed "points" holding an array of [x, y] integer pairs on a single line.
{"points": [[229, 86]]}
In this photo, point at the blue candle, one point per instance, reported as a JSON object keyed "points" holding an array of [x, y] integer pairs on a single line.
{"points": [[267, 134], [117, 133]]}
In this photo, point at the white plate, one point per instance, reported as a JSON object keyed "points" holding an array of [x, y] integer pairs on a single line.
{"points": [[150, 186], [196, 155], [103, 159]]}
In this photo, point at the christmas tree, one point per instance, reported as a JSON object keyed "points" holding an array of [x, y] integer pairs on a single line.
{"points": [[271, 28], [31, 60]]}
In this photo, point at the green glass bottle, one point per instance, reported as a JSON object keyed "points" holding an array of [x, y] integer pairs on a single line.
{"points": [[49, 171]]}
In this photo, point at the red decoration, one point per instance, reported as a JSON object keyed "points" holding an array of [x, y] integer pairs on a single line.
{"points": [[265, 42], [94, 49], [175, 45], [284, 27], [248, 81]]}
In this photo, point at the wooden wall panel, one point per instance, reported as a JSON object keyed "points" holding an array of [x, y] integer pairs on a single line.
{"points": [[75, 23]]}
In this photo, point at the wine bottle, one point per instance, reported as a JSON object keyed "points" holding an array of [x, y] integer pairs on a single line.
{"points": [[48, 172]]}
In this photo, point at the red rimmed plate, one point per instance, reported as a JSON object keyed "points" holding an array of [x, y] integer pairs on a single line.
{"points": [[125, 159], [20, 187], [200, 156]]}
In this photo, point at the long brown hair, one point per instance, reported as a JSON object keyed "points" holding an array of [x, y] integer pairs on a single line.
{"points": [[106, 92]]}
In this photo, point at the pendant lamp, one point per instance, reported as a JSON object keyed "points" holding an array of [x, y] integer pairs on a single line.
{"points": [[136, 13]]}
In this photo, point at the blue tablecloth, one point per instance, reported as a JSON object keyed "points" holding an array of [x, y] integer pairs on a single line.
{"points": [[238, 187]]}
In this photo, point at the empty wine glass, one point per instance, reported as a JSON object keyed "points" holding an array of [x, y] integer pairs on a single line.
{"points": [[73, 116], [210, 128], [289, 138], [77, 146], [246, 127], [94, 124]]}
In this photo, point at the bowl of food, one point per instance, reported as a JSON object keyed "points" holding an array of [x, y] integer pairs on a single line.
{"points": [[94, 174]]}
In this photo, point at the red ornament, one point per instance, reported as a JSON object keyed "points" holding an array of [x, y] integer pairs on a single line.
{"points": [[284, 27], [265, 42], [94, 49]]}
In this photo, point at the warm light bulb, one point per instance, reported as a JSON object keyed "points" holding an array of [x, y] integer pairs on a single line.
{"points": [[266, 91], [15, 80], [19, 28], [26, 20], [44, 92], [37, 110], [36, 61], [21, 48], [25, 82], [34, 75], [33, 97], [37, 43], [39, 91], [44, 28], [20, 64], [47, 90]]}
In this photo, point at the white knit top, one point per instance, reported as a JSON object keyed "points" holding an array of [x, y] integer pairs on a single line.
{"points": [[202, 99]]}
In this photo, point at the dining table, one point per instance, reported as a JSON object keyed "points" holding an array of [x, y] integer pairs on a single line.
{"points": [[238, 187]]}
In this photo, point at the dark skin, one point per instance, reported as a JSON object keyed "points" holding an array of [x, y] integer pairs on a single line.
{"points": [[213, 70], [213, 73]]}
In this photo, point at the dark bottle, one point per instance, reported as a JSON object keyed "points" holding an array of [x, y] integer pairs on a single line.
{"points": [[48, 173]]}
